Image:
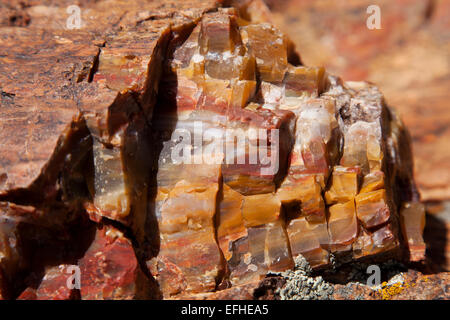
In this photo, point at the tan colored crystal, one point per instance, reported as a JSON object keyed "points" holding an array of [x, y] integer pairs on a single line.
{"points": [[372, 209]]}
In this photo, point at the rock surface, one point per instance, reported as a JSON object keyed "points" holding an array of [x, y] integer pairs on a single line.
{"points": [[83, 101], [54, 286], [335, 35], [177, 149]]}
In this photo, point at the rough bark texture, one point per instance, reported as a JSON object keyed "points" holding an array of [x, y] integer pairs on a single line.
{"points": [[87, 170]]}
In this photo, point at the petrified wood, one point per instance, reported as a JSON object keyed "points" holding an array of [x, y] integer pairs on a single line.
{"points": [[91, 120], [334, 34]]}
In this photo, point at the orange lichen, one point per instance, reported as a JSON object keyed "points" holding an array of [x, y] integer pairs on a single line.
{"points": [[388, 291]]}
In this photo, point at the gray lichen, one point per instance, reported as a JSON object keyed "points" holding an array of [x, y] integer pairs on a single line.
{"points": [[300, 285]]}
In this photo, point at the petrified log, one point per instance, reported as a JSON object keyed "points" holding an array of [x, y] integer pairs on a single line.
{"points": [[192, 148], [374, 55]]}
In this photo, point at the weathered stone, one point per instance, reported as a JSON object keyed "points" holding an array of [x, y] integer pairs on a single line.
{"points": [[310, 240], [372, 209], [200, 148], [386, 57], [54, 285], [196, 267], [110, 270], [14, 258], [413, 223]]}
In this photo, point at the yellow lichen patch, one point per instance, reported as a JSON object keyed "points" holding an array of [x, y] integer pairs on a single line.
{"points": [[388, 291]]}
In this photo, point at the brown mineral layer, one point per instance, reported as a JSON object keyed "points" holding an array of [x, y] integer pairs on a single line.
{"points": [[177, 149]]}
